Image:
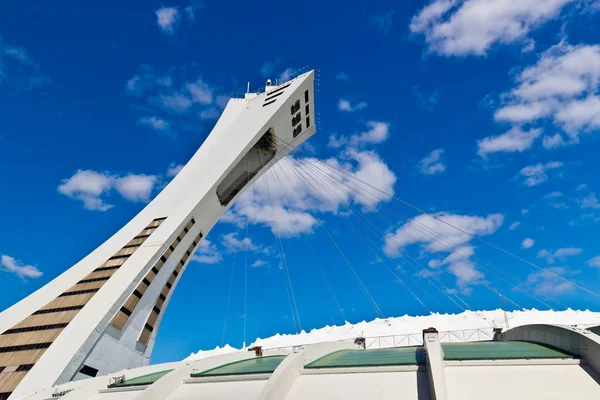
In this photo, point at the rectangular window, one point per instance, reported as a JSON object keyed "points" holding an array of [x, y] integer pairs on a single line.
{"points": [[125, 311], [307, 122], [89, 371], [307, 110], [295, 107], [306, 96]]}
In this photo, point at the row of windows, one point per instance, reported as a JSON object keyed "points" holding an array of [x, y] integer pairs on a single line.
{"points": [[132, 301], [149, 326], [77, 292], [276, 92], [59, 309], [36, 328], [271, 102], [34, 346], [104, 278], [111, 265], [272, 96]]}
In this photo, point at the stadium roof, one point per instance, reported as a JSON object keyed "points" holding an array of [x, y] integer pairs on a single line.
{"points": [[533, 361]]}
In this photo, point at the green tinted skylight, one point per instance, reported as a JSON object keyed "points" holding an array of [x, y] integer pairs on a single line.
{"points": [[370, 358], [499, 351], [257, 365]]}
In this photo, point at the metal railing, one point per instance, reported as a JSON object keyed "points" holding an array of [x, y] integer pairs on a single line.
{"points": [[416, 339]]}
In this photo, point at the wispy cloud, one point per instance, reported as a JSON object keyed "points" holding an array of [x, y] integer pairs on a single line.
{"points": [[167, 18], [514, 225], [92, 188], [377, 132], [536, 174], [207, 253], [527, 243], [13, 266], [455, 251], [515, 140], [562, 87], [156, 123], [346, 105], [473, 27], [433, 163], [170, 99], [560, 254], [18, 70]]}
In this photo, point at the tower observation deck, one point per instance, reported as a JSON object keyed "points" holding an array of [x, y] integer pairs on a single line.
{"points": [[103, 313]]}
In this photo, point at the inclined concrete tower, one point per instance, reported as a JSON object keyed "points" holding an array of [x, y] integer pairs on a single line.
{"points": [[102, 314]]}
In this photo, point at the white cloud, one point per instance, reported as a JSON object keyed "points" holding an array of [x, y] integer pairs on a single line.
{"points": [[286, 75], [594, 262], [560, 254], [207, 253], [514, 225], [581, 187], [286, 193], [435, 237], [9, 264], [590, 201], [537, 174], [232, 243], [210, 113], [87, 186], [163, 94], [136, 188], [200, 92], [516, 139], [259, 263], [177, 103], [378, 132], [433, 164], [156, 123], [527, 243], [561, 87], [346, 105], [174, 169], [547, 283], [147, 79], [90, 187], [472, 27], [167, 18]]}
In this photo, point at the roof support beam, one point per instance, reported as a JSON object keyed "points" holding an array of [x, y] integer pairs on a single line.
{"points": [[288, 372], [435, 364], [576, 341]]}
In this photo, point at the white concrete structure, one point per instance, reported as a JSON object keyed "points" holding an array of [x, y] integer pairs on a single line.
{"points": [[102, 314], [500, 369]]}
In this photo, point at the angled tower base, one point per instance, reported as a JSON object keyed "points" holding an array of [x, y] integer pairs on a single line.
{"points": [[103, 313]]}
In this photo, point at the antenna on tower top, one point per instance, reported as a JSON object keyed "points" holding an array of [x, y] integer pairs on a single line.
{"points": [[248, 89]]}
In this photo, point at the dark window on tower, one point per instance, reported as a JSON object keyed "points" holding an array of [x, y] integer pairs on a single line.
{"points": [[295, 107], [306, 96], [308, 122], [306, 110], [89, 371], [296, 119]]}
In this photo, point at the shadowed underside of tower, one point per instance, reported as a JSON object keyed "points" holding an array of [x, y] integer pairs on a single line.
{"points": [[102, 314]]}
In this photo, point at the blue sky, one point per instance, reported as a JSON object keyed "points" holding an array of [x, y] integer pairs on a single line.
{"points": [[485, 112]]}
